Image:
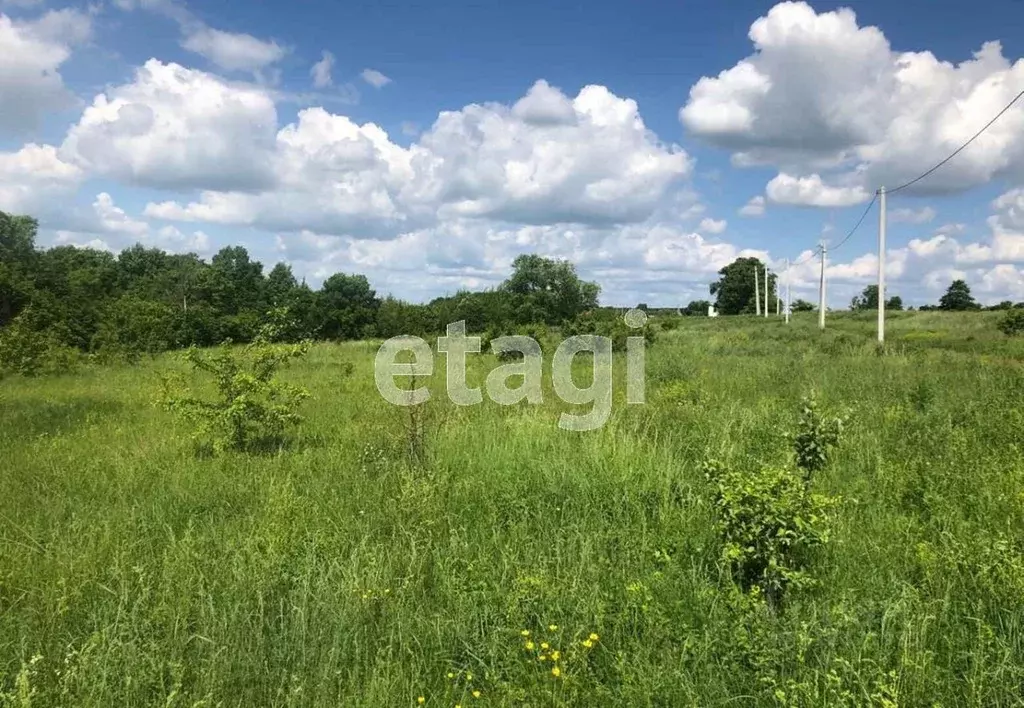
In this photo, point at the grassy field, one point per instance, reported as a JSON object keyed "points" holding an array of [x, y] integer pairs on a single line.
{"points": [[342, 572]]}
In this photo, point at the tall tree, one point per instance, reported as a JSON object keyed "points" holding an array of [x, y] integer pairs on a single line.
{"points": [[958, 297], [237, 282], [734, 291], [281, 285], [547, 290], [17, 256], [347, 306]]}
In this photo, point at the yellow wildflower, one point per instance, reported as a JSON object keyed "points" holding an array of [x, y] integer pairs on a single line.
{"points": [[476, 694], [553, 627], [556, 655], [543, 645], [587, 643], [594, 637], [556, 672], [542, 657], [469, 676], [525, 633], [421, 700], [530, 645], [451, 675]]}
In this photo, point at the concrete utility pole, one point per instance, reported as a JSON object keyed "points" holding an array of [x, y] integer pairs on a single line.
{"points": [[821, 289], [757, 294], [778, 299], [766, 281], [789, 302], [881, 266]]}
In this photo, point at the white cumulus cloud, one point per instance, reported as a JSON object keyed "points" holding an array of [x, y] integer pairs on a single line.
{"points": [[822, 92], [173, 127], [812, 191], [712, 226], [33, 53], [755, 207]]}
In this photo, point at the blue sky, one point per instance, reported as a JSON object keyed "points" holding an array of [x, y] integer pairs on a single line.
{"points": [[666, 139]]}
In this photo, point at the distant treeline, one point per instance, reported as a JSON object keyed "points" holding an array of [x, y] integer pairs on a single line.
{"points": [[146, 300]]}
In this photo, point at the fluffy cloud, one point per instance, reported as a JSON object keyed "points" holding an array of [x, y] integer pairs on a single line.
{"points": [[33, 52], [911, 216], [822, 92], [542, 162], [711, 226], [113, 219], [375, 78], [174, 127], [110, 228], [546, 159], [231, 51], [755, 207], [632, 263], [333, 176], [321, 71], [34, 179], [811, 191]]}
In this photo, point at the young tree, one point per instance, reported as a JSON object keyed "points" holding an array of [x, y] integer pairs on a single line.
{"points": [[802, 306], [958, 297], [734, 291], [895, 303]]}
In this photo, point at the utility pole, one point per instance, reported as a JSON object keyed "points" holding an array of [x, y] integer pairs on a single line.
{"points": [[789, 302], [778, 298], [821, 288], [881, 266], [766, 281], [757, 294]]}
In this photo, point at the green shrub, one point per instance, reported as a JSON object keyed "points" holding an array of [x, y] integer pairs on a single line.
{"points": [[252, 409], [30, 352], [612, 327], [538, 332], [769, 523], [815, 438], [1012, 323]]}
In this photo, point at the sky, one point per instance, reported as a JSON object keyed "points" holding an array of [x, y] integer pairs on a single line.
{"points": [[427, 144]]}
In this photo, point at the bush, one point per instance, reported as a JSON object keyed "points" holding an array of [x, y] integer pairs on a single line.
{"points": [[252, 409], [815, 438], [30, 352], [538, 332], [1012, 323], [613, 328], [769, 522]]}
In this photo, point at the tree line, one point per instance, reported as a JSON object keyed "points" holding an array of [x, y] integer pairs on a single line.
{"points": [[144, 300], [147, 300]]}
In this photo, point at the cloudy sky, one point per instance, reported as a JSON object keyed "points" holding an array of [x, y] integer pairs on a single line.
{"points": [[426, 144]]}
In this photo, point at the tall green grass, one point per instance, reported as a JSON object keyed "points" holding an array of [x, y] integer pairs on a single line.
{"points": [[343, 572]]}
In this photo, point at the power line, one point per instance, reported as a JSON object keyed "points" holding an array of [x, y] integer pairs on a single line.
{"points": [[959, 149], [857, 225], [804, 260]]}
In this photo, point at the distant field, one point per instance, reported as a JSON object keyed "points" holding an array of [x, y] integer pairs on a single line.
{"points": [[341, 572]]}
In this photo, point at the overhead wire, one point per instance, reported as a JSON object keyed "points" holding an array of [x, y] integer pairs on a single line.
{"points": [[857, 225], [958, 150]]}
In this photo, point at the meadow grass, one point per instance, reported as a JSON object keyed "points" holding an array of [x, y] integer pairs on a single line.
{"points": [[343, 571]]}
